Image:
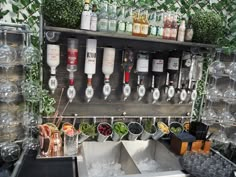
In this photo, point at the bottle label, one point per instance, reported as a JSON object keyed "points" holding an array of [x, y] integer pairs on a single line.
{"points": [[158, 65], [160, 31], [173, 63], [72, 56], [129, 27], [53, 53], [173, 34], [103, 24], [189, 34], [153, 30], [85, 20], [142, 65], [112, 25], [144, 29], [181, 35], [136, 28], [93, 25], [166, 34], [121, 26]]}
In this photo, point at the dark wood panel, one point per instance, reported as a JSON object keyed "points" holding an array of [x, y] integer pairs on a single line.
{"points": [[114, 105]]}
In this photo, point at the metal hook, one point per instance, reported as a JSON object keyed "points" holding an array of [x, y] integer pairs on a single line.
{"points": [[154, 120], [140, 119], [112, 120], [94, 120], [75, 119]]}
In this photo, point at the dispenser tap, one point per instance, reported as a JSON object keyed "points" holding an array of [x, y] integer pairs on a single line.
{"points": [[127, 64], [89, 92]]}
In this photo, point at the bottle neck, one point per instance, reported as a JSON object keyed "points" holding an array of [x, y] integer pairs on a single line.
{"points": [[86, 7]]}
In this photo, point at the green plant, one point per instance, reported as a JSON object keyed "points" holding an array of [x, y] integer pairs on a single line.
{"points": [[63, 13], [88, 129], [3, 12], [207, 27], [120, 128], [148, 126]]}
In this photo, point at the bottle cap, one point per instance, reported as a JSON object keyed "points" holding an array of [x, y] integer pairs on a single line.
{"points": [[72, 43]]}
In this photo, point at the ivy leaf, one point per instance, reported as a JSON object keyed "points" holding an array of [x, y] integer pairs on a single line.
{"points": [[232, 19], [24, 15], [25, 2], [3, 13], [15, 8]]}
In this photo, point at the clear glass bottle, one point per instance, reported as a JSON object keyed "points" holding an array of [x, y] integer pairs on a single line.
{"points": [[103, 17], [86, 16], [153, 24], [189, 30], [121, 21], [174, 28], [144, 24], [112, 22], [136, 31], [167, 26], [160, 25], [129, 21], [94, 18]]}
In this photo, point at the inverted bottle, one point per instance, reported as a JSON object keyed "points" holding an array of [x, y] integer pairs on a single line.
{"points": [[142, 69], [127, 64], [72, 61], [107, 69], [90, 66]]}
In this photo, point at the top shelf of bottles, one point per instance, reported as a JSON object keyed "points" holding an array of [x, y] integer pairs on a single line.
{"points": [[128, 37]]}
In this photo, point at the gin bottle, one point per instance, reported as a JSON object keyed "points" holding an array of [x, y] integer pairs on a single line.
{"points": [[103, 17], [121, 21], [129, 21], [112, 22]]}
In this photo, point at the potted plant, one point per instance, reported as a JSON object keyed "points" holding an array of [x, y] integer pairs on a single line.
{"points": [[149, 129], [120, 129]]}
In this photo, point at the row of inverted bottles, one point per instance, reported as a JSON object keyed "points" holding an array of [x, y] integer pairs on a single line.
{"points": [[180, 69]]}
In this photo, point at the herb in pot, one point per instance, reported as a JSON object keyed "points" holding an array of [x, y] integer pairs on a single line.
{"points": [[207, 27], [63, 13], [148, 126], [88, 129], [120, 128]]}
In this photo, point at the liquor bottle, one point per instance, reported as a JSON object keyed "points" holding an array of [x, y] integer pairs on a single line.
{"points": [[103, 17], [136, 30], [142, 68], [158, 69], [144, 24], [94, 18], [112, 21], [160, 25], [186, 62], [127, 64], [189, 31], [153, 24], [90, 66], [167, 26], [181, 31], [121, 21], [72, 61], [53, 60], [107, 69], [172, 69], [129, 21], [86, 16], [174, 28]]}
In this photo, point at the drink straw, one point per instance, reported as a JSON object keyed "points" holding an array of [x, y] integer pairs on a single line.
{"points": [[59, 102]]}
